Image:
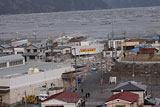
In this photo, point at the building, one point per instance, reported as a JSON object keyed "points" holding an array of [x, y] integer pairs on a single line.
{"points": [[123, 99], [62, 49], [70, 79], [130, 44], [28, 77], [34, 52], [8, 49], [132, 87], [77, 41], [115, 42], [11, 61], [63, 99]]}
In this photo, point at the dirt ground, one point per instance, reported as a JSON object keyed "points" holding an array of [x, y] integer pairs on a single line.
{"points": [[151, 80], [141, 57]]}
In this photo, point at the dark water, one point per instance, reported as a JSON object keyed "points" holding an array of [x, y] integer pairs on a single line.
{"points": [[97, 23]]}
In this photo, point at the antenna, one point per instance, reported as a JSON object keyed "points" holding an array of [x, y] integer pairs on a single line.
{"points": [[112, 36]]}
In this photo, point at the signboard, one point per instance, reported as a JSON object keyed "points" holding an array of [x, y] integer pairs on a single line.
{"points": [[88, 50], [112, 79], [79, 80]]}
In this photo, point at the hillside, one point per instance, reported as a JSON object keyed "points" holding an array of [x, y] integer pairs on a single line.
{"points": [[39, 6], [131, 3]]}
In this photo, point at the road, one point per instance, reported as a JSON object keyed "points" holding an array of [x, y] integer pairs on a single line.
{"points": [[98, 93]]}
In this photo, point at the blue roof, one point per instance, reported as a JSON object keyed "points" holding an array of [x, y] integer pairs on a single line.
{"points": [[135, 49], [143, 45]]}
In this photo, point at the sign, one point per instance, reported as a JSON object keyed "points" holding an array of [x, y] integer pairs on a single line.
{"points": [[88, 50], [79, 80], [112, 79]]}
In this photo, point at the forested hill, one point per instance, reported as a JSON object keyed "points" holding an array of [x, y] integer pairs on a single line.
{"points": [[131, 3], [39, 6]]}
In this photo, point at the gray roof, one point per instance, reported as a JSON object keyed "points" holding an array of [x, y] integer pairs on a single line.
{"points": [[150, 101], [21, 69], [61, 47], [11, 58], [129, 86]]}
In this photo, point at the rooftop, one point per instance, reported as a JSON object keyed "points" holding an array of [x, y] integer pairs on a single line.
{"points": [[78, 39], [127, 96], [140, 40], [66, 96], [22, 69], [129, 86], [61, 47], [117, 38], [11, 58]]}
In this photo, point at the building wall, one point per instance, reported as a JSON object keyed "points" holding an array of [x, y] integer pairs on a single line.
{"points": [[120, 103], [57, 102], [128, 44], [31, 49], [115, 43], [63, 51], [148, 106], [18, 50], [17, 64]]}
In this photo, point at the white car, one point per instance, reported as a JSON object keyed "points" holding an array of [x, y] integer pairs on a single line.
{"points": [[94, 68], [42, 97]]}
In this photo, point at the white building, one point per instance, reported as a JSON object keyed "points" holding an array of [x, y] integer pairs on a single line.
{"points": [[115, 42], [16, 80]]}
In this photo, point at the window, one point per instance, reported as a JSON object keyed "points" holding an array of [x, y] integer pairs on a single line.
{"points": [[67, 51], [18, 62], [3, 65], [32, 57], [28, 50], [34, 50]]}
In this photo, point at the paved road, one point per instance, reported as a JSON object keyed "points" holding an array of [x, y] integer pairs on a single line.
{"points": [[98, 93]]}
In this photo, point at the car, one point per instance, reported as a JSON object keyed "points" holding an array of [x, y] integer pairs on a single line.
{"points": [[94, 68], [42, 97]]}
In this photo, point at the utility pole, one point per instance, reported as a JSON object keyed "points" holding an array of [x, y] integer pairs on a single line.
{"points": [[101, 81], [25, 99], [124, 34], [75, 61]]}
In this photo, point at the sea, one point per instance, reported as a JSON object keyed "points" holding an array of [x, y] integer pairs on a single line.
{"points": [[129, 22]]}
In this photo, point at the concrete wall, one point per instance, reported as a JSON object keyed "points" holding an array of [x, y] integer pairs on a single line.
{"points": [[18, 50], [115, 104], [57, 102]]}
